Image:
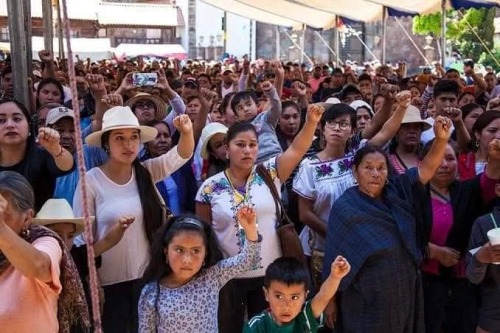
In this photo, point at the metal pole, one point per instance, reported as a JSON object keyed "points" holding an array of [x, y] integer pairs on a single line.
{"points": [[225, 32], [336, 41], [277, 42], [443, 33], [18, 35], [384, 34], [27, 28], [48, 24], [60, 30], [302, 43]]}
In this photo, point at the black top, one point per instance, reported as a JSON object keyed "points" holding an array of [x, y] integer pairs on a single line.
{"points": [[41, 171]]}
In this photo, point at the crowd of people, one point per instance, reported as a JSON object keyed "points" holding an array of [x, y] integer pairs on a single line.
{"points": [[392, 182]]}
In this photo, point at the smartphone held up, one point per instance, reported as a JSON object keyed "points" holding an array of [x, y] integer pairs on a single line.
{"points": [[145, 79]]}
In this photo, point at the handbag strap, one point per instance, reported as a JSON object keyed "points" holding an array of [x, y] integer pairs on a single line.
{"points": [[280, 209]]}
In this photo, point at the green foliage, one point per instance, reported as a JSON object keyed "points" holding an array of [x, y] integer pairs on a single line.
{"points": [[487, 60], [460, 29]]}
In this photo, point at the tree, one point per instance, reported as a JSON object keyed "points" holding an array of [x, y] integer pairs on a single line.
{"points": [[460, 29], [487, 60]]}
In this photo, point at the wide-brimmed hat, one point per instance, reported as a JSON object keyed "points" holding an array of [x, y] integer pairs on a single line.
{"points": [[208, 132], [120, 117], [56, 211], [57, 114], [412, 116], [160, 106]]}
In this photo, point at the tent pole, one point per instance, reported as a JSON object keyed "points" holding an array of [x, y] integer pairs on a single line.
{"points": [[302, 43], [277, 42], [336, 41], [384, 34], [443, 33], [18, 36], [48, 31]]}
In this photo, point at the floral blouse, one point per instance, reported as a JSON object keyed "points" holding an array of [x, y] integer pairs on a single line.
{"points": [[225, 201], [323, 182], [193, 306]]}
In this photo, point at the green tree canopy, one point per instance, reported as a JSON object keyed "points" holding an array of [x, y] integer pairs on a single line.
{"points": [[460, 29]]}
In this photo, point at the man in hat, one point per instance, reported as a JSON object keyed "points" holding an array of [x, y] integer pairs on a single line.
{"points": [[190, 87]]}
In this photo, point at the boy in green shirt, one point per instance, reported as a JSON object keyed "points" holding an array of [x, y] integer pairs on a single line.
{"points": [[285, 288]]}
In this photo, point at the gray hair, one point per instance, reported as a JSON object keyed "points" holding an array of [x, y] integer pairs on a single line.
{"points": [[19, 188]]}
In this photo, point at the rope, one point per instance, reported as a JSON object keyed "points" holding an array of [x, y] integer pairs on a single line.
{"points": [[81, 172], [479, 38]]}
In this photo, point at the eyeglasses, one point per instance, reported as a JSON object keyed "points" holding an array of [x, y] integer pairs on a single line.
{"points": [[144, 106], [343, 125]]}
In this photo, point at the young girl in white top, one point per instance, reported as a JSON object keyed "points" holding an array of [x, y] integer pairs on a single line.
{"points": [[125, 186], [185, 274]]}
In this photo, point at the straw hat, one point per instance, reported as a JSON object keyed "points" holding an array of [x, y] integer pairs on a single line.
{"points": [[412, 116], [160, 106], [56, 211], [208, 132], [120, 117]]}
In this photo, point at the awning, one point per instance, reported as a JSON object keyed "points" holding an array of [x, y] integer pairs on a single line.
{"points": [[150, 50], [131, 14], [309, 16], [252, 13]]}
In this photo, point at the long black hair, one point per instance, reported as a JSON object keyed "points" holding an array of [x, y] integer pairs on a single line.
{"points": [[154, 212], [158, 267]]}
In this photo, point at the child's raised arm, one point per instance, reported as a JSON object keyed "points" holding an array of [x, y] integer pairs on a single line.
{"points": [[340, 268], [273, 115], [114, 235], [247, 218]]}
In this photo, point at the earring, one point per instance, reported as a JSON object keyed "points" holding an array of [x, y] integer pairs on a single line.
{"points": [[476, 144], [25, 233], [387, 182], [203, 264], [227, 156]]}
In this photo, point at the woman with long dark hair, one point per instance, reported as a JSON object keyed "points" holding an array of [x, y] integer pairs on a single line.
{"points": [[19, 153], [124, 185]]}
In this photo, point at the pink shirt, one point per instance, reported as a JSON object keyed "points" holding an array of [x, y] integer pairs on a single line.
{"points": [[442, 216], [29, 305]]}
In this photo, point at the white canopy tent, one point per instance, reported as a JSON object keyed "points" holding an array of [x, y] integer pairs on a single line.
{"points": [[94, 48], [151, 50], [253, 13], [309, 16]]}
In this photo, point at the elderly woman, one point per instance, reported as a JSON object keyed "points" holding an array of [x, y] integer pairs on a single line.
{"points": [[220, 196], [373, 226], [40, 288]]}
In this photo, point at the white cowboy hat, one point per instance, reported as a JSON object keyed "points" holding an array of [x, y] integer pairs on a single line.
{"points": [[412, 115], [56, 211], [208, 132], [120, 117]]}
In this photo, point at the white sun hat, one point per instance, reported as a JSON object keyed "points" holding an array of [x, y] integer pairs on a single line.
{"points": [[208, 132], [56, 211], [120, 117]]}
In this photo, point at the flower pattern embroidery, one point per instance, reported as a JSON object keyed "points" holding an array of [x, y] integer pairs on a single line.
{"points": [[216, 187], [323, 170], [345, 165]]}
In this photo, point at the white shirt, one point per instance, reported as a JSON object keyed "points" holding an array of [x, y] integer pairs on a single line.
{"points": [[109, 201]]}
